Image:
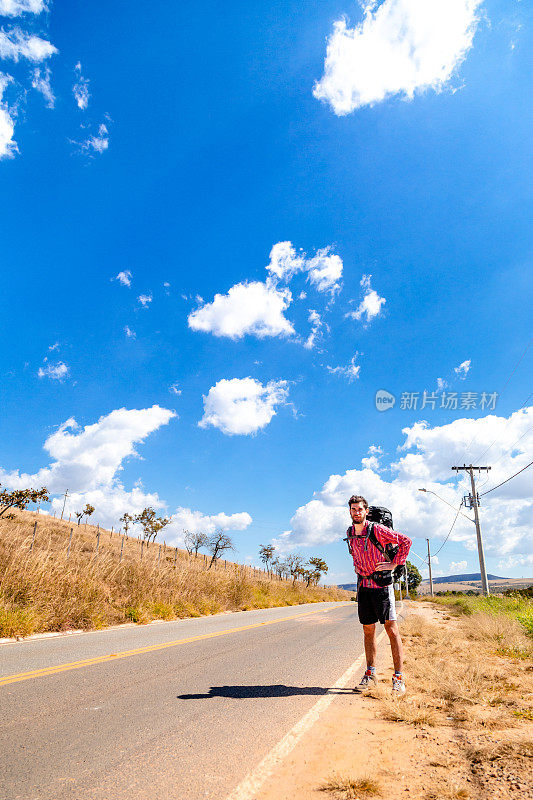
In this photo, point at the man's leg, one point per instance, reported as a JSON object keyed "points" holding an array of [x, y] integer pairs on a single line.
{"points": [[369, 632], [391, 626]]}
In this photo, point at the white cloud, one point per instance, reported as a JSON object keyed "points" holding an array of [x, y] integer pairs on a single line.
{"points": [[401, 47], [183, 519], [284, 262], [425, 460], [145, 300], [97, 143], [457, 567], [242, 405], [248, 308], [56, 372], [53, 347], [350, 371], [81, 89], [371, 461], [325, 270], [316, 323], [463, 369], [370, 305], [174, 388], [15, 44], [130, 333], [41, 82], [15, 8], [87, 459], [441, 384], [8, 146], [124, 277]]}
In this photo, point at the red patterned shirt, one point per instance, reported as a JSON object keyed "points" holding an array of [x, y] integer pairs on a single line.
{"points": [[366, 555]]}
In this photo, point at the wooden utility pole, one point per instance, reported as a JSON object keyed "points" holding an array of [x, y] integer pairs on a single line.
{"points": [[64, 502], [473, 500], [430, 575]]}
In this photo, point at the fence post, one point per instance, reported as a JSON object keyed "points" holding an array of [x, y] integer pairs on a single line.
{"points": [[111, 532], [159, 556], [69, 541], [225, 564], [121, 549], [175, 556], [142, 547], [33, 539], [98, 537]]}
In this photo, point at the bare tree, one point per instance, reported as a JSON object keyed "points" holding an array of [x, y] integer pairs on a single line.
{"points": [[126, 520], [194, 541], [266, 554], [218, 543], [79, 516], [150, 524], [21, 498], [313, 570]]}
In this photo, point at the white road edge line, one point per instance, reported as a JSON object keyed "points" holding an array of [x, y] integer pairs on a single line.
{"points": [[248, 788]]}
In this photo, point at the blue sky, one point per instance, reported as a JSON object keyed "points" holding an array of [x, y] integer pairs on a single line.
{"points": [[224, 230]]}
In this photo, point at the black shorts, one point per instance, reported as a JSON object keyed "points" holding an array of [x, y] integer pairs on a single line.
{"points": [[375, 605]]}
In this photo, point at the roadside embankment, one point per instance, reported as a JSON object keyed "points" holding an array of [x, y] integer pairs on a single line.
{"points": [[96, 578], [461, 732]]}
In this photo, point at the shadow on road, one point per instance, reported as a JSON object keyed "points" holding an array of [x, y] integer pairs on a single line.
{"points": [[276, 690]]}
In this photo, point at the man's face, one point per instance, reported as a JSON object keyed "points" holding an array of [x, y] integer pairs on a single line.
{"points": [[358, 513]]}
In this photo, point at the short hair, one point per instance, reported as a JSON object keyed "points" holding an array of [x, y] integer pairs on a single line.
{"points": [[357, 498]]}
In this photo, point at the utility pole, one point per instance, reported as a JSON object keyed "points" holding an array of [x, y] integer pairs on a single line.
{"points": [[473, 501], [64, 502], [430, 575]]}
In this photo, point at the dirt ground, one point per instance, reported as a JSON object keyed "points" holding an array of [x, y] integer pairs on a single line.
{"points": [[448, 758]]}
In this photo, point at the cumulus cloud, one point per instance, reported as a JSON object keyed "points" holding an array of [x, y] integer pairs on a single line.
{"points": [[174, 388], [41, 82], [284, 261], [350, 371], [56, 372], [462, 370], [370, 306], [242, 405], [325, 271], [457, 566], [8, 146], [88, 462], [123, 277], [145, 300], [316, 323], [15, 44], [130, 333], [401, 47], [425, 458], [97, 143], [80, 89], [15, 8], [248, 308]]}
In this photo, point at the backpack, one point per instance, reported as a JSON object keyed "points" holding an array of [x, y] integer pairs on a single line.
{"points": [[380, 515]]}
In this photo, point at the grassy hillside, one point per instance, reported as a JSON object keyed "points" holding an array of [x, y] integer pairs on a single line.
{"points": [[48, 588]]}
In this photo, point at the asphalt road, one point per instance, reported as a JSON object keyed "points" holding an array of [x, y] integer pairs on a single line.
{"points": [[179, 721]]}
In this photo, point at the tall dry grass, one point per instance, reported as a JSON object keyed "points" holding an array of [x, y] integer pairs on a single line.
{"points": [[41, 589]]}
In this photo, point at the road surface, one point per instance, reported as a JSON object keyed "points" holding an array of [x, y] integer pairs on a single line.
{"points": [[185, 716]]}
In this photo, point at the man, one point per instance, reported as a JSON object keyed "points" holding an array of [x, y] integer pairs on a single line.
{"points": [[376, 602]]}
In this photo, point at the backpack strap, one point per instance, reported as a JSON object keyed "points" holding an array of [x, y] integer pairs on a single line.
{"points": [[375, 541]]}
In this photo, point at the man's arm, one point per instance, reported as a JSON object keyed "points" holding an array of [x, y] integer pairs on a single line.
{"points": [[404, 544]]}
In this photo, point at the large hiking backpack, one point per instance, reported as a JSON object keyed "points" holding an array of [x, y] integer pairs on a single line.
{"points": [[380, 515]]}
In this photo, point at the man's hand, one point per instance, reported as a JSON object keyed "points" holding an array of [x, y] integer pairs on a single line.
{"points": [[384, 566]]}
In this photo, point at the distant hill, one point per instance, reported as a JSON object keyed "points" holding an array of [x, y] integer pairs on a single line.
{"points": [[475, 576], [350, 587]]}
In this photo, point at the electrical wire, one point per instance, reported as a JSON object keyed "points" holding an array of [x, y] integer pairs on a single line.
{"points": [[450, 531], [506, 480]]}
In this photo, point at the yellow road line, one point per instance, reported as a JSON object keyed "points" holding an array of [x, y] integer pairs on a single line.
{"points": [[89, 662]]}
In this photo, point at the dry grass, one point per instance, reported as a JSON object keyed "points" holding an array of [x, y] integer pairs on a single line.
{"points": [[43, 590], [347, 788]]}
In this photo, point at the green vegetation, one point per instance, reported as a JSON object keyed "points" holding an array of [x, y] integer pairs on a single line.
{"points": [[512, 604]]}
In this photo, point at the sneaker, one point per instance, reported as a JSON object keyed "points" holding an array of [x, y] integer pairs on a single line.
{"points": [[367, 681], [398, 686]]}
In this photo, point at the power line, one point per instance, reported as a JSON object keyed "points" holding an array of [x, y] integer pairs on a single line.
{"points": [[450, 531], [507, 479]]}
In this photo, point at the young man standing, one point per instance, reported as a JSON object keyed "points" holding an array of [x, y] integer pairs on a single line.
{"points": [[375, 602]]}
